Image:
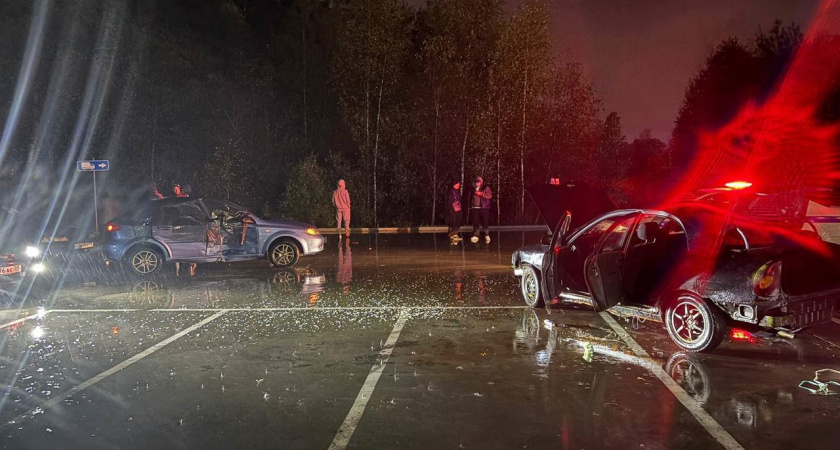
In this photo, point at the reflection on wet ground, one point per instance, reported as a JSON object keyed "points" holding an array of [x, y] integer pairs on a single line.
{"points": [[244, 353]]}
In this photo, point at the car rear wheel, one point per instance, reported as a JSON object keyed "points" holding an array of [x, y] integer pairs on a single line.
{"points": [[529, 285], [144, 261], [695, 325], [283, 253]]}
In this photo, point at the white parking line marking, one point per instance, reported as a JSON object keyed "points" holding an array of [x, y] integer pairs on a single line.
{"points": [[342, 438], [823, 339], [76, 389], [22, 319], [710, 424]]}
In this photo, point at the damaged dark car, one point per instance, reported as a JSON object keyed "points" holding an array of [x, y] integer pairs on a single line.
{"points": [[699, 266]]}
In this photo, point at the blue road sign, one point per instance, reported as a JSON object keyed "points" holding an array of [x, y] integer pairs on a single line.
{"points": [[92, 165]]}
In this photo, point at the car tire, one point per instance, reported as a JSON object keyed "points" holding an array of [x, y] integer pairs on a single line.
{"points": [[143, 261], [694, 324], [283, 253], [529, 287]]}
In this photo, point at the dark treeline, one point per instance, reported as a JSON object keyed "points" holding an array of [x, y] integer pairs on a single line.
{"points": [[267, 103]]}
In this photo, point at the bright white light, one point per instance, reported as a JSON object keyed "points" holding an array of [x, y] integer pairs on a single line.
{"points": [[41, 312], [37, 332], [32, 252], [38, 267]]}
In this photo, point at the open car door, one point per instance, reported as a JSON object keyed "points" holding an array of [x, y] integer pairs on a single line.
{"points": [[604, 269], [182, 228], [549, 270]]}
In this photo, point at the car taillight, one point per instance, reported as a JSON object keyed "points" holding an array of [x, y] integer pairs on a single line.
{"points": [[767, 280], [111, 227]]}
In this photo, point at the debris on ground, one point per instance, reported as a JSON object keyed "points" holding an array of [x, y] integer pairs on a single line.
{"points": [[588, 350], [818, 387]]}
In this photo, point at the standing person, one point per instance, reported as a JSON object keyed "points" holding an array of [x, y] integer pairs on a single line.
{"points": [[341, 201], [480, 210], [453, 205]]}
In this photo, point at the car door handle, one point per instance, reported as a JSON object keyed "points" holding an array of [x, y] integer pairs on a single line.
{"points": [[164, 228]]}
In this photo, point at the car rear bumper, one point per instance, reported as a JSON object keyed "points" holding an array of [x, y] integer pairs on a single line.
{"points": [[802, 312]]}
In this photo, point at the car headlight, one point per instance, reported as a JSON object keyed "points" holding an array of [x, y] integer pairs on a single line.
{"points": [[312, 231], [38, 267], [32, 252]]}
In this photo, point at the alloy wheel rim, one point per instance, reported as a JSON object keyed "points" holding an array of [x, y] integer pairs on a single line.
{"points": [[530, 288], [688, 322], [283, 254], [144, 262]]}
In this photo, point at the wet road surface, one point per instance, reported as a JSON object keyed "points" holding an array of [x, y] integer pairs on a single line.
{"points": [[391, 342]]}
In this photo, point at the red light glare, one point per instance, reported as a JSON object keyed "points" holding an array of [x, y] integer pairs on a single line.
{"points": [[740, 335], [111, 227], [738, 184]]}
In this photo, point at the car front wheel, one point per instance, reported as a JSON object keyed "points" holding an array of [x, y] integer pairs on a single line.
{"points": [[283, 254], [530, 287], [695, 325], [144, 261]]}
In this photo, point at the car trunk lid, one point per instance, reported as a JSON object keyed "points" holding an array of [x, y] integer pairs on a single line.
{"points": [[582, 201]]}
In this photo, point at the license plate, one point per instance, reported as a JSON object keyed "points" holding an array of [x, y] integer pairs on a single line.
{"points": [[83, 245], [8, 270]]}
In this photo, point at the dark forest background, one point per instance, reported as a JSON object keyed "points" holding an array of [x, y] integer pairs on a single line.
{"points": [[268, 102]]}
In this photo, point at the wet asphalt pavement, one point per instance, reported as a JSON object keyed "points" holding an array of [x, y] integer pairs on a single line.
{"points": [[399, 341]]}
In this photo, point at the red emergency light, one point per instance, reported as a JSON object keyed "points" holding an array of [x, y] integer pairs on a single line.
{"points": [[737, 185]]}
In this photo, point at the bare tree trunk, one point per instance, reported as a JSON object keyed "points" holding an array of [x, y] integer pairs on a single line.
{"points": [[522, 148], [376, 143], [464, 150], [154, 139], [303, 46], [498, 158], [434, 157]]}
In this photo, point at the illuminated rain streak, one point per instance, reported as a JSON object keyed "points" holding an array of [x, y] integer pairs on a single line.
{"points": [[31, 58]]}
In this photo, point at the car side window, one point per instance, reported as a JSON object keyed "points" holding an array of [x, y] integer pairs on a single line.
{"points": [[165, 215], [617, 236], [585, 243], [182, 214]]}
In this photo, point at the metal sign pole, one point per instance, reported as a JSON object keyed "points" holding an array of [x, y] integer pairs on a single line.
{"points": [[95, 206]]}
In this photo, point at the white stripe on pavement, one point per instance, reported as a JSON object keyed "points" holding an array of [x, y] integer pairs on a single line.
{"points": [[710, 424], [342, 438], [76, 389], [22, 319]]}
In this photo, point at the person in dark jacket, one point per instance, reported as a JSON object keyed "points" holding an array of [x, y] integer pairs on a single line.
{"points": [[480, 210], [455, 210]]}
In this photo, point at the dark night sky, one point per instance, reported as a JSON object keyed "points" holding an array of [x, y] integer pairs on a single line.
{"points": [[642, 53]]}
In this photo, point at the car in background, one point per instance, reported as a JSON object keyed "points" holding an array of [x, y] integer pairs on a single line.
{"points": [[43, 243], [18, 248], [202, 230], [694, 266]]}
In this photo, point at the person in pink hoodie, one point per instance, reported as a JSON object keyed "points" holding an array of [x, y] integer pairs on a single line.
{"points": [[341, 201]]}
